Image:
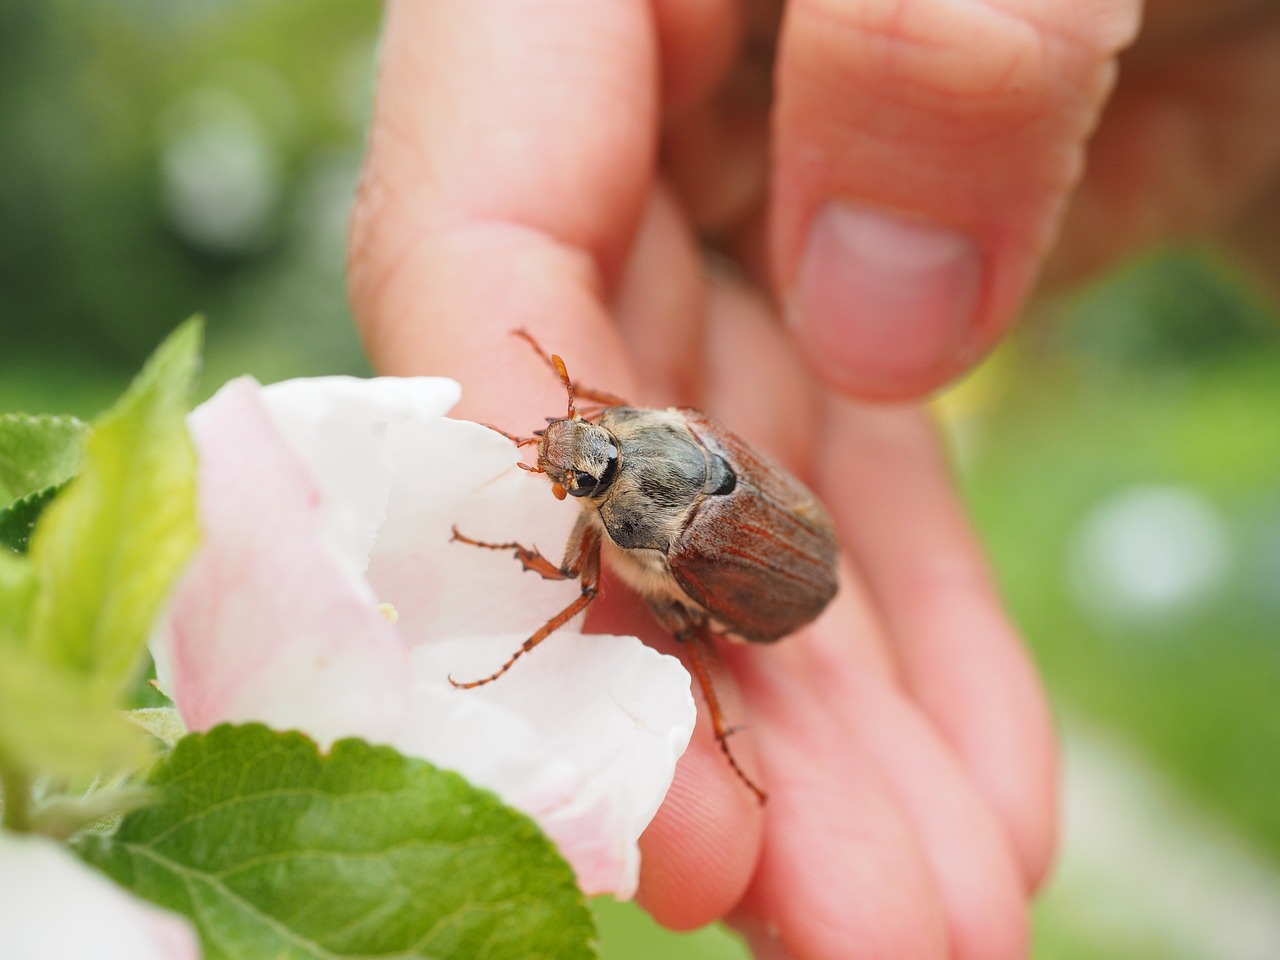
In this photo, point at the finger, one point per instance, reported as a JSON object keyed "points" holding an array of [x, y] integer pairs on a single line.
{"points": [[891, 494], [979, 883], [703, 845], [699, 852], [716, 155], [838, 666], [753, 380], [1168, 25], [715, 150], [703, 336], [923, 154], [508, 165], [841, 873], [1187, 144], [661, 306], [697, 40]]}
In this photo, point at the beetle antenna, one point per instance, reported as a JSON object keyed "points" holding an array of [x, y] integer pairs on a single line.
{"points": [[563, 371], [527, 337], [555, 363]]}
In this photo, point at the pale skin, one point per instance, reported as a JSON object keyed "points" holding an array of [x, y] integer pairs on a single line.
{"points": [[554, 165]]}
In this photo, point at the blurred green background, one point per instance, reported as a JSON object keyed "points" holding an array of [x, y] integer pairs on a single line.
{"points": [[1121, 454]]}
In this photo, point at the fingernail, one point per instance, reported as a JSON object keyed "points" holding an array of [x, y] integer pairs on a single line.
{"points": [[885, 303]]}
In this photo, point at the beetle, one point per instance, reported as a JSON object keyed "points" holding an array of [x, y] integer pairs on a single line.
{"points": [[714, 535]]}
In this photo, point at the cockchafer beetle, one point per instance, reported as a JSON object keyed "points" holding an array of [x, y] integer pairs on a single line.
{"points": [[713, 534]]}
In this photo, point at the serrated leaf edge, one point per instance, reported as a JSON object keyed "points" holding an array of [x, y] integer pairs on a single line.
{"points": [[51, 491], [58, 419]]}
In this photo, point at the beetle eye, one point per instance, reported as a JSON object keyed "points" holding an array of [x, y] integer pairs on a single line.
{"points": [[584, 484], [588, 485]]}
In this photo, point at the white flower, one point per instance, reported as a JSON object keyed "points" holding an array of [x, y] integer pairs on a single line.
{"points": [[322, 501], [53, 907]]}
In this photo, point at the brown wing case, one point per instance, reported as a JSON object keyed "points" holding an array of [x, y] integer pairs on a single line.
{"points": [[761, 559]]}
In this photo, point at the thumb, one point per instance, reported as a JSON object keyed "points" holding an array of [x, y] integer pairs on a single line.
{"points": [[924, 154]]}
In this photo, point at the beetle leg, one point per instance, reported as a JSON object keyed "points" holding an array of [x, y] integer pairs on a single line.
{"points": [[585, 564], [693, 637], [601, 397], [529, 557], [518, 441], [559, 620], [592, 413]]}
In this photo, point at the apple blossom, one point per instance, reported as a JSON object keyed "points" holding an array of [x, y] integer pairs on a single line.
{"points": [[53, 907], [323, 502]]}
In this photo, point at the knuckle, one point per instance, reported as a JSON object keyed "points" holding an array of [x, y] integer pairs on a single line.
{"points": [[980, 56]]}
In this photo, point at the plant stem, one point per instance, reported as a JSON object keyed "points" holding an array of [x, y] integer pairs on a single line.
{"points": [[17, 800], [62, 816]]}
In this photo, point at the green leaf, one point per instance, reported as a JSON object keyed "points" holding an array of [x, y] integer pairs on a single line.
{"points": [[53, 720], [17, 597], [108, 549], [274, 850], [18, 520], [36, 452], [163, 723], [56, 722]]}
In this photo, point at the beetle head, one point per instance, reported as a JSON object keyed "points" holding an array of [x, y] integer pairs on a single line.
{"points": [[581, 458]]}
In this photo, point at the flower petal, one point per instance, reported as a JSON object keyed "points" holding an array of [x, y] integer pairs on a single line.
{"points": [[339, 426], [583, 734], [454, 473], [270, 621], [54, 906], [305, 482]]}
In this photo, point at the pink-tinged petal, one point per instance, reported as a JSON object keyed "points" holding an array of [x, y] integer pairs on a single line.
{"points": [[602, 860], [340, 427], [583, 734], [455, 473], [274, 620], [270, 622], [53, 907]]}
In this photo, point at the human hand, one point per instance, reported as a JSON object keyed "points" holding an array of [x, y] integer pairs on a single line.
{"points": [[513, 181]]}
